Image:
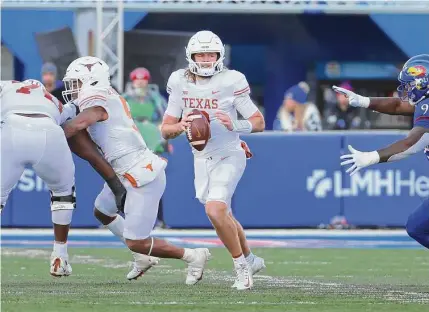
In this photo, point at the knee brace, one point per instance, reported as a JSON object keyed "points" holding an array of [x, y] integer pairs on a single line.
{"points": [[62, 208]]}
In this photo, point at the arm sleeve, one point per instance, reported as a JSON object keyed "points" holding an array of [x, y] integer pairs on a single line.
{"points": [[245, 106], [242, 101]]}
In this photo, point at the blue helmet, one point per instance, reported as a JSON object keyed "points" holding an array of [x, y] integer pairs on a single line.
{"points": [[414, 78]]}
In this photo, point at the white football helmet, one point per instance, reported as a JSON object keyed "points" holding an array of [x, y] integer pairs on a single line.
{"points": [[205, 41], [85, 72]]}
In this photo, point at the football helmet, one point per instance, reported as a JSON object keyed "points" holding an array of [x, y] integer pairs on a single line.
{"points": [[202, 42], [414, 78], [85, 72]]}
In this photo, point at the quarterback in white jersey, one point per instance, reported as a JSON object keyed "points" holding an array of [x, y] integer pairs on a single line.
{"points": [[31, 135], [106, 116], [209, 87]]}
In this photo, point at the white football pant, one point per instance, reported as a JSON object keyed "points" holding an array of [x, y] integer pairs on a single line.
{"points": [[38, 142], [141, 206], [216, 177]]}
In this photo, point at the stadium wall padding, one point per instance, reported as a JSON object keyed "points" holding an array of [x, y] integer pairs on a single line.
{"points": [[293, 180]]}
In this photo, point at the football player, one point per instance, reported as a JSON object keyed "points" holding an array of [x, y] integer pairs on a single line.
{"points": [[31, 135], [106, 116], [208, 86], [414, 88]]}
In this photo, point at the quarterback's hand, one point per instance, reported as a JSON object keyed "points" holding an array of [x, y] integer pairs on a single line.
{"points": [[359, 160], [224, 119], [355, 100], [185, 122]]}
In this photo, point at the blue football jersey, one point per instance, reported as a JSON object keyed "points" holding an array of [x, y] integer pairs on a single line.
{"points": [[421, 114], [421, 118]]}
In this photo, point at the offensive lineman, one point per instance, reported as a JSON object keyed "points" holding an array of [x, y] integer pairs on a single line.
{"points": [[208, 86], [414, 78], [30, 134], [106, 116]]}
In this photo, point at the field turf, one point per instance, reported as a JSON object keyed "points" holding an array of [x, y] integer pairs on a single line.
{"points": [[319, 280]]}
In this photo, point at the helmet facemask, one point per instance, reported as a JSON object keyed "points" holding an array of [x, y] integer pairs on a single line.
{"points": [[72, 89], [413, 91], [205, 68]]}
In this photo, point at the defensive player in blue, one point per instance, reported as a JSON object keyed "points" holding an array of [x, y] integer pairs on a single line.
{"points": [[414, 88]]}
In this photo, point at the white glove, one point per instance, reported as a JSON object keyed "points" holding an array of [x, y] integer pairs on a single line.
{"points": [[355, 100], [359, 160]]}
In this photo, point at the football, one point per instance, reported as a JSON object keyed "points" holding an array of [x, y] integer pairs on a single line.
{"points": [[198, 133]]}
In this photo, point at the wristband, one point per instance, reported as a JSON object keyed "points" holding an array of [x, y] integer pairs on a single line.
{"points": [[242, 126], [373, 157], [364, 101]]}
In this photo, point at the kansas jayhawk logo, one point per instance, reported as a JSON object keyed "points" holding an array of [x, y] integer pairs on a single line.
{"points": [[416, 71]]}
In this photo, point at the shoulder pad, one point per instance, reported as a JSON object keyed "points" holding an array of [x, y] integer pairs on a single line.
{"points": [[89, 92], [234, 76], [237, 81], [89, 96]]}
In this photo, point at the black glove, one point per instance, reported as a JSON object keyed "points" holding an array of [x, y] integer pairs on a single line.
{"points": [[119, 191], [120, 200]]}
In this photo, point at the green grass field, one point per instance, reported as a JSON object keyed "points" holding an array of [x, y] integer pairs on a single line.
{"points": [[295, 280]]}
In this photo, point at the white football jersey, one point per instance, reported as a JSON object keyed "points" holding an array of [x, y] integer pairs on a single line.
{"points": [[222, 92], [29, 97], [117, 137]]}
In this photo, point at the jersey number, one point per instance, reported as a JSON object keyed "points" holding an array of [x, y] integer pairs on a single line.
{"points": [[425, 108], [27, 90], [128, 112]]}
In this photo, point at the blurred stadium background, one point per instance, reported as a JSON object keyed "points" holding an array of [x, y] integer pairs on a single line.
{"points": [[294, 179]]}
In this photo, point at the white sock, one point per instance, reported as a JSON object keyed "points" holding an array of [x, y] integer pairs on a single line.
{"points": [[239, 260], [60, 249], [117, 228], [188, 255], [250, 257]]}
